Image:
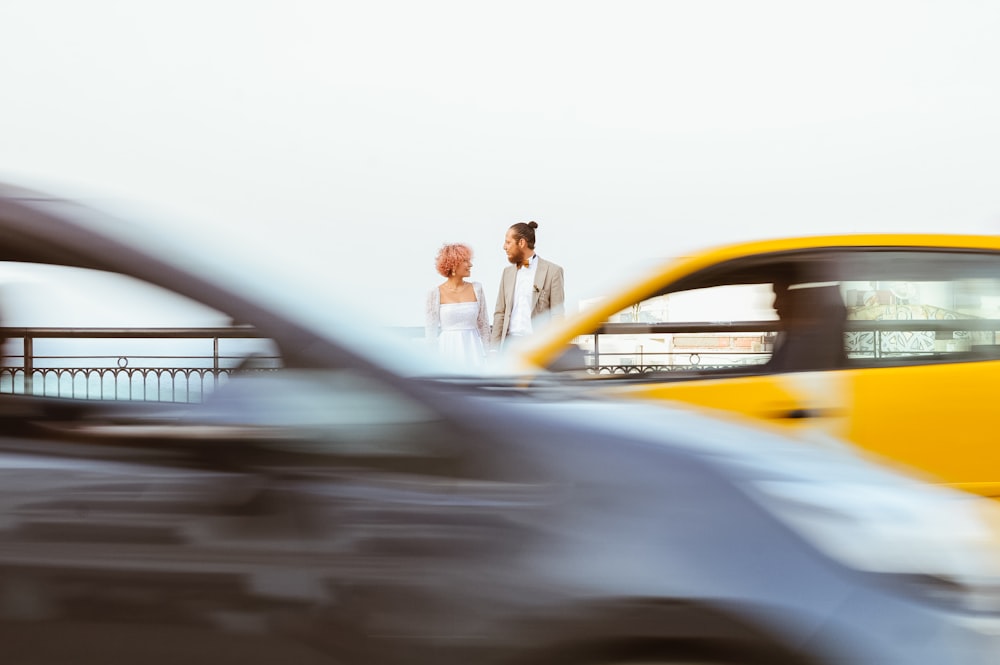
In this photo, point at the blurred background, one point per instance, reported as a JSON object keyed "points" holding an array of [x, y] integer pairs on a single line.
{"points": [[350, 140]]}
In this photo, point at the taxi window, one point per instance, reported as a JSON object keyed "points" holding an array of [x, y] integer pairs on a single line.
{"points": [[842, 308], [947, 310], [715, 329]]}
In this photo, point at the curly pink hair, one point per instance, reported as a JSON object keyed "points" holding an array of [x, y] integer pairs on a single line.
{"points": [[449, 256]]}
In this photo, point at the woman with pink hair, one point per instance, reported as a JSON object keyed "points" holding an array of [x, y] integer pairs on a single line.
{"points": [[457, 322]]}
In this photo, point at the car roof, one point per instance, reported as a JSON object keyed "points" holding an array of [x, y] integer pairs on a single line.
{"points": [[549, 342]]}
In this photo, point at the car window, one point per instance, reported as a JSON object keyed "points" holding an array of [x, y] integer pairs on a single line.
{"points": [[92, 335], [674, 331], [842, 308], [922, 307]]}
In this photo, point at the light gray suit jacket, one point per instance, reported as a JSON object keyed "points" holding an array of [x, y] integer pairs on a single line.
{"points": [[547, 296]]}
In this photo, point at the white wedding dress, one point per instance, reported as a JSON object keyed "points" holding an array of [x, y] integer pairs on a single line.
{"points": [[461, 330]]}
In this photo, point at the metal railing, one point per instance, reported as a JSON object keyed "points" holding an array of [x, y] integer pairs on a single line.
{"points": [[867, 342], [155, 364], [186, 364]]}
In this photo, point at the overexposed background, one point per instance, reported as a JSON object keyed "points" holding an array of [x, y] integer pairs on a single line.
{"points": [[348, 140]]}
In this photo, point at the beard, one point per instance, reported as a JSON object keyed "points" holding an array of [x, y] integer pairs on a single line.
{"points": [[516, 256]]}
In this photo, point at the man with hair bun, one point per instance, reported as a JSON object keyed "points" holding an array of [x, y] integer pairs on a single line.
{"points": [[530, 286]]}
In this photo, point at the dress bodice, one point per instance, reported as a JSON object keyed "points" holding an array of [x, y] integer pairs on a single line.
{"points": [[459, 330], [459, 316]]}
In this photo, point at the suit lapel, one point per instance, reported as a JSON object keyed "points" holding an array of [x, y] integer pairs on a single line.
{"points": [[509, 277], [540, 270]]}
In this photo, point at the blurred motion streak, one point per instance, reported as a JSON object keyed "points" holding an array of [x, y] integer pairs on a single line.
{"points": [[356, 503]]}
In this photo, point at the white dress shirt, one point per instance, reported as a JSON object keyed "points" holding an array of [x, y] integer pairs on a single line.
{"points": [[524, 287]]}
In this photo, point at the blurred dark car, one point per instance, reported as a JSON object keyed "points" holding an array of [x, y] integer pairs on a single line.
{"points": [[348, 506]]}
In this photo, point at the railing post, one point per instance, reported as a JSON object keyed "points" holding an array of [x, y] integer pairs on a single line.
{"points": [[29, 363], [215, 361]]}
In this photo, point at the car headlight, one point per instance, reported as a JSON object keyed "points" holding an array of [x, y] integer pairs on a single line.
{"points": [[944, 543]]}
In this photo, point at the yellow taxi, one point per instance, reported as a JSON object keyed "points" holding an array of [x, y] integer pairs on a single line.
{"points": [[888, 341]]}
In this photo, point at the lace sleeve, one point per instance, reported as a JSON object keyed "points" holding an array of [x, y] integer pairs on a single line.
{"points": [[432, 315], [482, 319]]}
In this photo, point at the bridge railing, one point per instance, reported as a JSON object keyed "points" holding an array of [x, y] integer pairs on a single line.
{"points": [[186, 364], [640, 348], [156, 364]]}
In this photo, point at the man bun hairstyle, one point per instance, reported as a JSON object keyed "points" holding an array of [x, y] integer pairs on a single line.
{"points": [[525, 230]]}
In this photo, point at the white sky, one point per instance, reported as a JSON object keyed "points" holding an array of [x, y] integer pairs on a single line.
{"points": [[350, 139]]}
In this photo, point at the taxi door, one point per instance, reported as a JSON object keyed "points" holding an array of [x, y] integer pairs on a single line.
{"points": [[754, 365]]}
